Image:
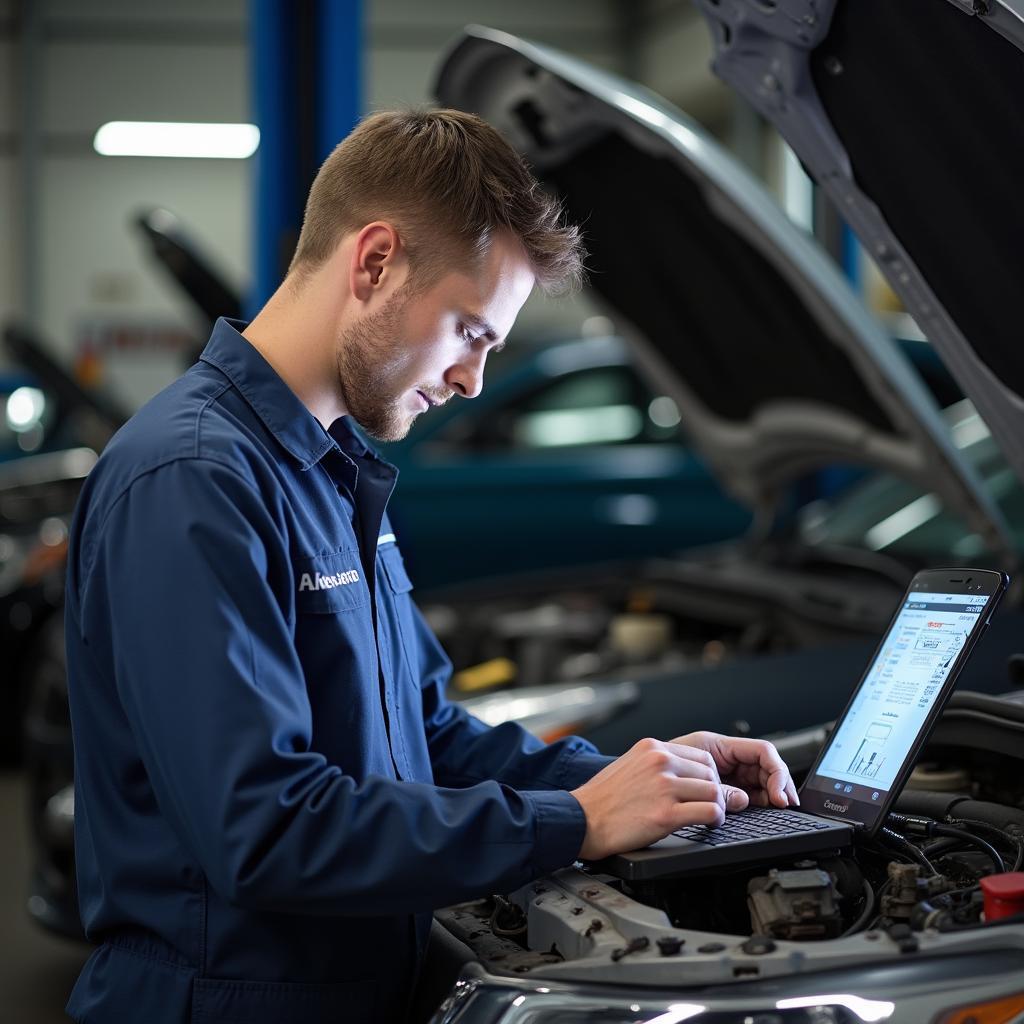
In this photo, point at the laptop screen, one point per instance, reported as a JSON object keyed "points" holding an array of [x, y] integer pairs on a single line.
{"points": [[875, 736]]}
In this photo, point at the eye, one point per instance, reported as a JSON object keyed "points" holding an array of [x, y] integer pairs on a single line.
{"points": [[466, 334]]}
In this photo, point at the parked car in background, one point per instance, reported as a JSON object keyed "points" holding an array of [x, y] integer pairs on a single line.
{"points": [[567, 458]]}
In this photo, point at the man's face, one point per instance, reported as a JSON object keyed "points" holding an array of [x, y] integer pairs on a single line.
{"points": [[425, 346]]}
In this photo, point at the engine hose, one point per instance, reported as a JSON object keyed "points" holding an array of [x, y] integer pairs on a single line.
{"points": [[957, 805]]}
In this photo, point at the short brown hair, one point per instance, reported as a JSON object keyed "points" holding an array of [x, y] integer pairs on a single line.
{"points": [[448, 180]]}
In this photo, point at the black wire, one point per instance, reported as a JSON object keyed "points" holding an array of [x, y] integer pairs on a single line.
{"points": [[905, 846], [938, 847], [882, 850], [967, 837], [998, 833], [945, 897], [865, 914], [882, 890]]}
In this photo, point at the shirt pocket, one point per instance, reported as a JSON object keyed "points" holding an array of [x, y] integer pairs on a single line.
{"points": [[330, 583], [394, 569], [396, 603]]}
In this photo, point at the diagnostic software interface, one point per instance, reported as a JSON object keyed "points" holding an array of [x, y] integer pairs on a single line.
{"points": [[874, 738]]}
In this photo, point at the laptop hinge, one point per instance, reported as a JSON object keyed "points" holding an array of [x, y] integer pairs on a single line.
{"points": [[841, 821]]}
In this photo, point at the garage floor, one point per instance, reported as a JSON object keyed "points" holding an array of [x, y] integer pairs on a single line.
{"points": [[37, 970]]}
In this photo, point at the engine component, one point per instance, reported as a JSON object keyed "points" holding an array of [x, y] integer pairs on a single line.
{"points": [[936, 778], [800, 904], [906, 888], [508, 921], [472, 923], [948, 912], [637, 945], [1004, 895], [640, 636]]}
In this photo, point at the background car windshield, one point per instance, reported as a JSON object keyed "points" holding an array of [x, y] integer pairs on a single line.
{"points": [[600, 406]]}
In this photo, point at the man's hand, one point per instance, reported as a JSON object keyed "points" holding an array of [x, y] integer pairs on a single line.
{"points": [[656, 788], [653, 789], [751, 770]]}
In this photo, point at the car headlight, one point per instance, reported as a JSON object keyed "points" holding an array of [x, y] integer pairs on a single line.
{"points": [[486, 999]]}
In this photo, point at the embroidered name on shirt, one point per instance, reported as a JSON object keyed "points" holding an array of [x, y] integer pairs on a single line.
{"points": [[317, 581]]}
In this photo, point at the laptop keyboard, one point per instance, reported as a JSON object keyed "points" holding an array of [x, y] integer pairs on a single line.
{"points": [[753, 823]]}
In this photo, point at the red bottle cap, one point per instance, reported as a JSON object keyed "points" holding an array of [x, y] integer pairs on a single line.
{"points": [[1004, 895]]}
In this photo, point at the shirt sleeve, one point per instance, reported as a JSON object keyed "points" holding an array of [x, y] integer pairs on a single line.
{"points": [[465, 750], [181, 600]]}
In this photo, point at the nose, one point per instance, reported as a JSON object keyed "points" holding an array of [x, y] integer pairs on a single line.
{"points": [[466, 377]]}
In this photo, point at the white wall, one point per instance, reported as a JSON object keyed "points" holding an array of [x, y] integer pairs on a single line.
{"points": [[102, 61]]}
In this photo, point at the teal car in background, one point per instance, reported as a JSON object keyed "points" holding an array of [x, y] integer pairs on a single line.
{"points": [[568, 457]]}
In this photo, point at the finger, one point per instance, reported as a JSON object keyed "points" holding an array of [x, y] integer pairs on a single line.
{"points": [[695, 754], [781, 789], [735, 798], [736, 750], [685, 768], [699, 812], [698, 791], [778, 785], [744, 751], [695, 739]]}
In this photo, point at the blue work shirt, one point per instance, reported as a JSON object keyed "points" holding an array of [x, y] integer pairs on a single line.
{"points": [[272, 791]]}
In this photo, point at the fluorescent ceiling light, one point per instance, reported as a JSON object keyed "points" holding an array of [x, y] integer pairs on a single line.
{"points": [[174, 138]]}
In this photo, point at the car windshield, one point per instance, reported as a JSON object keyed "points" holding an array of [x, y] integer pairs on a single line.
{"points": [[894, 516]]}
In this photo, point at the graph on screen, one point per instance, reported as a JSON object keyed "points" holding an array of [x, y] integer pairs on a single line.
{"points": [[870, 754]]}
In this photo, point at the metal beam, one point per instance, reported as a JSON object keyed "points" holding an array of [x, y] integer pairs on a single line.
{"points": [[306, 70]]}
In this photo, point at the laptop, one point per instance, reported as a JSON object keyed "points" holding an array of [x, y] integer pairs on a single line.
{"points": [[865, 763]]}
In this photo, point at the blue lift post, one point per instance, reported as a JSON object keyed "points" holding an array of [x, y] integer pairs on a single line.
{"points": [[305, 60]]}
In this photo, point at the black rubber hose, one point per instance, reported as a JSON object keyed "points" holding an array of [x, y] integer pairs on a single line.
{"points": [[968, 837], [957, 805], [995, 833], [928, 804], [865, 914]]}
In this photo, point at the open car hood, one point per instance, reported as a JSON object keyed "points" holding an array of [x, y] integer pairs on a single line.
{"points": [[775, 365], [908, 115]]}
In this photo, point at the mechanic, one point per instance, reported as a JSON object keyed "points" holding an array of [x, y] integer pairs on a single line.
{"points": [[272, 791]]}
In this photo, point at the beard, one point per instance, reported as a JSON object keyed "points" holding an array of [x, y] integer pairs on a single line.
{"points": [[373, 371]]}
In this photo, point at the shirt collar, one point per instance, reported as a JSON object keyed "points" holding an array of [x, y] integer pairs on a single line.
{"points": [[351, 440], [284, 415]]}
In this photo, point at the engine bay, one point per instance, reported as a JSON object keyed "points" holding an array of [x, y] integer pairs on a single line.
{"points": [[661, 614], [939, 874]]}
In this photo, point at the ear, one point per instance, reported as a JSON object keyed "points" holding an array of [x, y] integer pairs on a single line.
{"points": [[378, 261]]}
